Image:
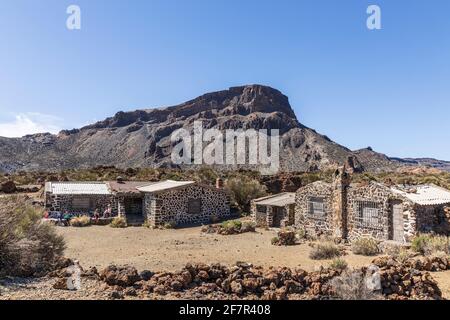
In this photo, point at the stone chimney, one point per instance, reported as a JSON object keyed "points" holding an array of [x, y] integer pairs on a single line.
{"points": [[219, 183], [341, 182]]}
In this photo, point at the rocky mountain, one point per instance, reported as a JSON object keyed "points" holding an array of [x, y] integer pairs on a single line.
{"points": [[141, 138]]}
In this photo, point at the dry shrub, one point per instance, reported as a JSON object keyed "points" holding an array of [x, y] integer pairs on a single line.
{"points": [[28, 246], [365, 246], [324, 250], [351, 285], [118, 222], [232, 226], [428, 244], [169, 225], [82, 221], [248, 226], [339, 264], [243, 190]]}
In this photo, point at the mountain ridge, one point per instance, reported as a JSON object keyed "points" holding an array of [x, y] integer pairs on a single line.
{"points": [[141, 138]]}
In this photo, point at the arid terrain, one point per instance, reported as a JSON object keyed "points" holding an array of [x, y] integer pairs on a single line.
{"points": [[158, 250]]}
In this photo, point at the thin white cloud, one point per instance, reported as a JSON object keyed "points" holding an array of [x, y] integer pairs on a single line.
{"points": [[29, 123]]}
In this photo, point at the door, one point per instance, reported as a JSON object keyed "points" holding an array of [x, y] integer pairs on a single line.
{"points": [[397, 221], [278, 215]]}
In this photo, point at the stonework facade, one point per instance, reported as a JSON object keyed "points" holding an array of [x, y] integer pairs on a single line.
{"points": [[81, 204], [350, 211], [190, 205], [274, 211]]}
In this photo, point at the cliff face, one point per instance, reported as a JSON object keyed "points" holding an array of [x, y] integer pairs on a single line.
{"points": [[142, 138]]}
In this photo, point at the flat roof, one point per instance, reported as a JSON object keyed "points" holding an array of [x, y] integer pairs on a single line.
{"points": [[424, 194], [277, 200], [164, 185], [127, 186], [77, 188]]}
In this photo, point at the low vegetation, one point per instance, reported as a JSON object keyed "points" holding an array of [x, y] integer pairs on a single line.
{"points": [[427, 244], [324, 250], [338, 264], [28, 246], [365, 246], [83, 221], [169, 225], [243, 190], [118, 222]]}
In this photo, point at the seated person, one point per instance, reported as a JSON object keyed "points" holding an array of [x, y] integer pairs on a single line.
{"points": [[107, 212]]}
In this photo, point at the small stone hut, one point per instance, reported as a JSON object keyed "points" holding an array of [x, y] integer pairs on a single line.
{"points": [[347, 210], [184, 203], [79, 197], [275, 210], [177, 202]]}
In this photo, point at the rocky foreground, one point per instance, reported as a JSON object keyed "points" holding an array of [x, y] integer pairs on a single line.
{"points": [[389, 279]]}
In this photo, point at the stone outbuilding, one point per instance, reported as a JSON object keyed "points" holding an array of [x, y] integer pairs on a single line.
{"points": [[79, 197], [349, 210], [184, 203], [175, 202], [274, 211]]}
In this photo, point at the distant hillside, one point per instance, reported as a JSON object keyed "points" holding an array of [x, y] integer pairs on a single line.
{"points": [[141, 138]]}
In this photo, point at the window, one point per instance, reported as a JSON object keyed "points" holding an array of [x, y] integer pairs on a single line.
{"points": [[194, 206], [368, 214], [261, 209], [317, 207], [81, 203]]}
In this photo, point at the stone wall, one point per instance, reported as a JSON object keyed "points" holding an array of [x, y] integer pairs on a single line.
{"points": [[364, 195], [172, 206], [62, 203], [263, 215], [304, 220], [432, 219]]}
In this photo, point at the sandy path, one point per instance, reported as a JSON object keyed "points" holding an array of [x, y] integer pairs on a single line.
{"points": [[172, 249]]}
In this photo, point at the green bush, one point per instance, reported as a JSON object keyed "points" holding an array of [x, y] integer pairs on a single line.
{"points": [[82, 221], [243, 190], [248, 226], [146, 224], [118, 222], [428, 244], [28, 246], [232, 225], [365, 246], [339, 264], [169, 225], [275, 241], [324, 250]]}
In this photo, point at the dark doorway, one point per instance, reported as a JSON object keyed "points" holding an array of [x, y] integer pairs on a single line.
{"points": [[278, 216], [134, 211]]}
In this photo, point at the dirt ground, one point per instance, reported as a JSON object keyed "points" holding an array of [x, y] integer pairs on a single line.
{"points": [[170, 250]]}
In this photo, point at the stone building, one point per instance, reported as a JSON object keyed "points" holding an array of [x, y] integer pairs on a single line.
{"points": [[184, 203], [178, 202], [79, 197], [349, 210], [274, 211]]}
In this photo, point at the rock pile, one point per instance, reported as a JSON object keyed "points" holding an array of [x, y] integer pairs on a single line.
{"points": [[245, 281], [230, 227], [408, 280]]}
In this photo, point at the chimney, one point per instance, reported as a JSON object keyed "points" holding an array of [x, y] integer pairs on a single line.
{"points": [[341, 182], [219, 183]]}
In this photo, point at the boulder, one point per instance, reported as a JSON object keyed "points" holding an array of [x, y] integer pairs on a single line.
{"points": [[8, 187], [121, 276]]}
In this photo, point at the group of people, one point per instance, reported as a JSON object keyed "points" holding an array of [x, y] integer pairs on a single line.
{"points": [[63, 218]]}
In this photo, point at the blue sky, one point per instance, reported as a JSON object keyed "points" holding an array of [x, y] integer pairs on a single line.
{"points": [[387, 88]]}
